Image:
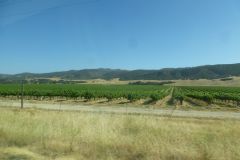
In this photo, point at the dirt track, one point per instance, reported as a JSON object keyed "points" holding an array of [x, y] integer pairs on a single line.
{"points": [[124, 110]]}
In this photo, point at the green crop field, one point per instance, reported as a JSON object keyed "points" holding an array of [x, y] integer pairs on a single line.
{"points": [[130, 92], [210, 95]]}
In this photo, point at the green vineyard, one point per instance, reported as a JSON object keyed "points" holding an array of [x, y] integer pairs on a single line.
{"points": [[209, 94], [130, 92]]}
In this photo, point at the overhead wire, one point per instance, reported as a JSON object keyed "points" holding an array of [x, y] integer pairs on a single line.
{"points": [[6, 3], [48, 8]]}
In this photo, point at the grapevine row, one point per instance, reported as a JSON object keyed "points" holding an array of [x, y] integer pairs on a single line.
{"points": [[88, 91], [208, 94]]}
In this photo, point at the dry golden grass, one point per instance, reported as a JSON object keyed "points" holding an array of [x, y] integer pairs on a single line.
{"points": [[204, 82], [200, 82], [38, 134]]}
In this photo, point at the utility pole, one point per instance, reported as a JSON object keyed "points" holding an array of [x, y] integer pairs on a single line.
{"points": [[22, 94]]}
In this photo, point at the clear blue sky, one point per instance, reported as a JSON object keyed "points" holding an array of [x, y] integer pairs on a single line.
{"points": [[56, 35]]}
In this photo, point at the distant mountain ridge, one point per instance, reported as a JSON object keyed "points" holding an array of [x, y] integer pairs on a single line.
{"points": [[200, 72]]}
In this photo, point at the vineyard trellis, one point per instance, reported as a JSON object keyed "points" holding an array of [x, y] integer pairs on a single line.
{"points": [[129, 92], [87, 91], [209, 94]]}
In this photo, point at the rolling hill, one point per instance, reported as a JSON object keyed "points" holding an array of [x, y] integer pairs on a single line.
{"points": [[200, 72]]}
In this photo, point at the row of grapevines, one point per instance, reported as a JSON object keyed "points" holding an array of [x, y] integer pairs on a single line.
{"points": [[208, 94], [88, 91]]}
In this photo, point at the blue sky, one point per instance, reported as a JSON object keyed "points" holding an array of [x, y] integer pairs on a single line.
{"points": [[55, 35]]}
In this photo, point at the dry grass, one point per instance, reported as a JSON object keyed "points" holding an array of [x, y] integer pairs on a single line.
{"points": [[38, 134], [204, 82], [200, 82]]}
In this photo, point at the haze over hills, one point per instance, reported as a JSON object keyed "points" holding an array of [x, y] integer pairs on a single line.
{"points": [[200, 72]]}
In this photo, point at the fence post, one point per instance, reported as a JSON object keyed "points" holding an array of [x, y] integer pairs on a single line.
{"points": [[22, 94]]}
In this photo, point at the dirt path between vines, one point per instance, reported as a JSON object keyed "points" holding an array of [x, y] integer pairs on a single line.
{"points": [[123, 109]]}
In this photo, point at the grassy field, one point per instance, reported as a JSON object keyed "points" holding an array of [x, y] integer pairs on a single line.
{"points": [[200, 82], [38, 134]]}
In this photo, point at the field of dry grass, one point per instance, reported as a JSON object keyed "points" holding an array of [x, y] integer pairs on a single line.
{"points": [[38, 134], [204, 82], [201, 82]]}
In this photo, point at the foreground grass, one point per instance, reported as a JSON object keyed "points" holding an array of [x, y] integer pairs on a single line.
{"points": [[38, 134]]}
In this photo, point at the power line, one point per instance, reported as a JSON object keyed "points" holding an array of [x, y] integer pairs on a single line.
{"points": [[11, 2], [54, 7]]}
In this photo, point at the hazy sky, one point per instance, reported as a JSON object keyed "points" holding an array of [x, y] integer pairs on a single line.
{"points": [[56, 35]]}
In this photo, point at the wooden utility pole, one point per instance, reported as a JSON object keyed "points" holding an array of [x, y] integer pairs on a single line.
{"points": [[22, 94]]}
